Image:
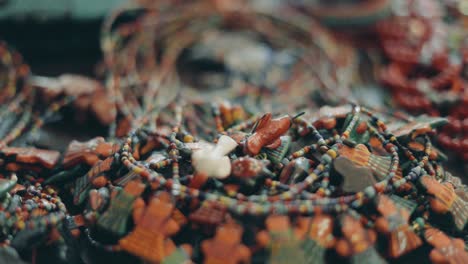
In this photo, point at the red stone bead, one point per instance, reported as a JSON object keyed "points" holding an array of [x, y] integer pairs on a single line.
{"points": [[455, 144], [465, 98], [465, 126], [444, 140], [464, 145], [449, 126], [426, 104], [433, 112], [456, 126]]}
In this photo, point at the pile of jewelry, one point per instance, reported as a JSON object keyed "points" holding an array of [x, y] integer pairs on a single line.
{"points": [[271, 188], [273, 167]]}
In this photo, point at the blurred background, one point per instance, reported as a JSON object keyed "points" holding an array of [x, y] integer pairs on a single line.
{"points": [[55, 36], [52, 33]]}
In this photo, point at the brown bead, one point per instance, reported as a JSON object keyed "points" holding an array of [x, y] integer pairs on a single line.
{"points": [[89, 152], [361, 128], [328, 123], [416, 146], [33, 156], [434, 154], [75, 233], [268, 132], [100, 182], [198, 180]]}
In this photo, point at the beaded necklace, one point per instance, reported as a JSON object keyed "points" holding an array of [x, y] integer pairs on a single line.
{"points": [[123, 44], [425, 72]]}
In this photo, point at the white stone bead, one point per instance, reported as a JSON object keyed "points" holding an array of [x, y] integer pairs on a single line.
{"points": [[212, 160]]}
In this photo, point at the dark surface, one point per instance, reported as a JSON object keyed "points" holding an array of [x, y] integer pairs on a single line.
{"points": [[53, 47]]}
